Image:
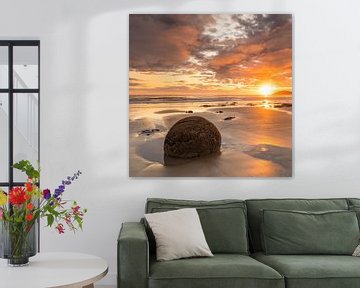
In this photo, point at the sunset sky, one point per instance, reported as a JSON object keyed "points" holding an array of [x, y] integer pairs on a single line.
{"points": [[221, 54]]}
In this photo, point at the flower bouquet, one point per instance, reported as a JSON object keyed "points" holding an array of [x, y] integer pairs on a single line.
{"points": [[21, 208]]}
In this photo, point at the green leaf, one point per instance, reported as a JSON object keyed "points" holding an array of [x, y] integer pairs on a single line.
{"points": [[50, 219], [26, 167], [53, 211], [79, 221]]}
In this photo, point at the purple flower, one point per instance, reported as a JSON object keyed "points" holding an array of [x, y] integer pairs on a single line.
{"points": [[64, 183], [46, 194], [58, 192]]}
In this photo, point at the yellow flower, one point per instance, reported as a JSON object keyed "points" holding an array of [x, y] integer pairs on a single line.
{"points": [[3, 198]]}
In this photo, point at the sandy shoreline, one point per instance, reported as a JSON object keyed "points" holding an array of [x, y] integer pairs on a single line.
{"points": [[256, 141]]}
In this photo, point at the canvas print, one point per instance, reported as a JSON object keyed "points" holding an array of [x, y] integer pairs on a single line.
{"points": [[210, 95]]}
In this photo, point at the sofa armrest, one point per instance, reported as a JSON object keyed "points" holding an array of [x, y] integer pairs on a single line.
{"points": [[133, 256]]}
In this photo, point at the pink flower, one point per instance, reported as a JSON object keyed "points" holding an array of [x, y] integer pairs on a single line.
{"points": [[76, 210], [1, 213], [68, 219], [60, 228]]}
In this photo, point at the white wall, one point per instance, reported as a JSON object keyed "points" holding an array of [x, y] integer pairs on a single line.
{"points": [[84, 107]]}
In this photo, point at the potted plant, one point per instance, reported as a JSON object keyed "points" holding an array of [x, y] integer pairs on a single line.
{"points": [[21, 208]]}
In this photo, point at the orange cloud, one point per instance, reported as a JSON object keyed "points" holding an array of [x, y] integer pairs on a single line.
{"points": [[209, 54]]}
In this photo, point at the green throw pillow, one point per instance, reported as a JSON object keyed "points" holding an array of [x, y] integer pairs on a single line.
{"points": [[299, 232], [356, 209]]}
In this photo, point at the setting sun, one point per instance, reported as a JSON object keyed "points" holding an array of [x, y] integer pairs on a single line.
{"points": [[266, 89]]}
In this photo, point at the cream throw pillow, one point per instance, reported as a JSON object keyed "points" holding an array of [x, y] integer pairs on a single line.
{"points": [[178, 234], [357, 251]]}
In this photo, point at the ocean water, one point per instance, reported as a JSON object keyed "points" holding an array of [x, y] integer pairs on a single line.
{"points": [[198, 104], [154, 99]]}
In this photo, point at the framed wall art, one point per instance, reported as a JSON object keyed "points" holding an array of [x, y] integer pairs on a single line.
{"points": [[210, 95]]}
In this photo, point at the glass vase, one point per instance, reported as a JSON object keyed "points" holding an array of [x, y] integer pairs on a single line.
{"points": [[18, 242]]}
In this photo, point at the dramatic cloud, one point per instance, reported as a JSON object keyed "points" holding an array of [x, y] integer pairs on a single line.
{"points": [[264, 51], [210, 51], [163, 42]]}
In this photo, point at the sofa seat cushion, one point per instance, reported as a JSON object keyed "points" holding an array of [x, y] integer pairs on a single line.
{"points": [[222, 270], [313, 271]]}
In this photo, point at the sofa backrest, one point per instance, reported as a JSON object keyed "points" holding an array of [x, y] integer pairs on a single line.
{"points": [[353, 202], [256, 205], [223, 221]]}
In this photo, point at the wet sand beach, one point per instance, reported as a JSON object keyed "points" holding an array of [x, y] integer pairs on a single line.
{"points": [[256, 139]]}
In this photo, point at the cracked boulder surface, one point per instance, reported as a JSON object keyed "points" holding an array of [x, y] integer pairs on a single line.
{"points": [[192, 137]]}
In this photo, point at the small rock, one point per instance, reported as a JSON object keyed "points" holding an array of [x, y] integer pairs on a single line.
{"points": [[189, 112], [229, 118], [149, 132], [220, 112], [282, 105], [191, 137]]}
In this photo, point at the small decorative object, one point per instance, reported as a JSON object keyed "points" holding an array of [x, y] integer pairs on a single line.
{"points": [[23, 206]]}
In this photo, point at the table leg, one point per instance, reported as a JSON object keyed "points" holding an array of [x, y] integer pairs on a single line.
{"points": [[89, 286]]}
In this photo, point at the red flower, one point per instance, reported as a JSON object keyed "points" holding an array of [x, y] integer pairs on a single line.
{"points": [[60, 228], [29, 187], [29, 217], [27, 196], [17, 196], [29, 206]]}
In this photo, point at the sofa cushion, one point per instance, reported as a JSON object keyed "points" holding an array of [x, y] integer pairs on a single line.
{"points": [[353, 201], [222, 270], [297, 232], [183, 240], [354, 205], [313, 271], [254, 206], [224, 222], [356, 209]]}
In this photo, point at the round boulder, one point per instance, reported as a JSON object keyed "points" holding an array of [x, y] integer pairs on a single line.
{"points": [[192, 137]]}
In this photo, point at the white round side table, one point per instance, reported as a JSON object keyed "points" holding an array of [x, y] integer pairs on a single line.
{"points": [[50, 270]]}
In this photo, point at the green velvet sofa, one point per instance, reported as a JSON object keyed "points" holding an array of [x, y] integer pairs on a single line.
{"points": [[233, 231]]}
